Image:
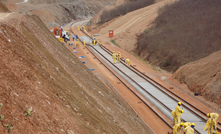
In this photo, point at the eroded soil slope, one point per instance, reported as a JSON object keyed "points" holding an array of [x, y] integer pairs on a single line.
{"points": [[3, 8], [56, 12], [203, 76], [38, 72]]}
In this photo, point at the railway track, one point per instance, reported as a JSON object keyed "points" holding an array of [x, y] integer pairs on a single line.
{"points": [[157, 94]]}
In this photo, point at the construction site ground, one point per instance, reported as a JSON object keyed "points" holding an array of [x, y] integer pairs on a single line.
{"points": [[161, 76], [37, 82]]}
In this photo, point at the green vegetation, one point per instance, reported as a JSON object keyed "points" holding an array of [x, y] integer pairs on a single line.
{"points": [[9, 126], [123, 9], [183, 32], [28, 112], [113, 41], [1, 116]]}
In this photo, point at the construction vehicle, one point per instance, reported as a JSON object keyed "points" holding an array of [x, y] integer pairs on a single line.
{"points": [[60, 33], [65, 35]]}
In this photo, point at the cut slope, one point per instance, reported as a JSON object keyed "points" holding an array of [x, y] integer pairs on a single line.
{"points": [[40, 73], [203, 76], [3, 8], [184, 32], [127, 27]]}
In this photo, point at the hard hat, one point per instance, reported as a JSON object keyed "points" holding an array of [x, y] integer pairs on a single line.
{"points": [[182, 111], [207, 115], [119, 52], [182, 124], [193, 124], [179, 103]]}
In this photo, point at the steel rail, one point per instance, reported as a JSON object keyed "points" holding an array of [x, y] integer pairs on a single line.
{"points": [[139, 85], [156, 85], [153, 81], [148, 82], [126, 85]]}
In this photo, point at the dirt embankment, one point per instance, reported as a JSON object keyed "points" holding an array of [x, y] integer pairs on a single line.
{"points": [[203, 76], [3, 8], [171, 41], [38, 72]]}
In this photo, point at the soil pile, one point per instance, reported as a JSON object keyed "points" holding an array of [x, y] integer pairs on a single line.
{"points": [[41, 74]]}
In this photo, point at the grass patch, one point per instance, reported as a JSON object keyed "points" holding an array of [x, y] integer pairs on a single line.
{"points": [[114, 42]]}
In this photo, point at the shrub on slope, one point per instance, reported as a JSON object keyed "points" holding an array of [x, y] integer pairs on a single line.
{"points": [[123, 9], [183, 32]]}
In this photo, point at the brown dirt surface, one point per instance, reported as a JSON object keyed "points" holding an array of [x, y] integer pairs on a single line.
{"points": [[40, 73], [203, 76], [55, 12], [3, 8], [123, 92], [161, 76], [198, 77], [180, 88], [127, 27]]}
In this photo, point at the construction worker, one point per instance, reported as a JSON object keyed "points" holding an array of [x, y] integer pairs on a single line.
{"points": [[176, 118], [214, 116], [114, 56], [94, 41], [127, 61], [77, 43], [79, 27], [186, 124], [209, 124], [118, 57], [216, 132], [189, 129], [73, 36], [76, 37], [177, 128], [84, 43], [178, 112]]}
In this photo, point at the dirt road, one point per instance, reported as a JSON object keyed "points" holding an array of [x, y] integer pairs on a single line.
{"points": [[127, 27]]}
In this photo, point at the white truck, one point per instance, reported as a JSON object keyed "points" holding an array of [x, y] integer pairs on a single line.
{"points": [[65, 35]]}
